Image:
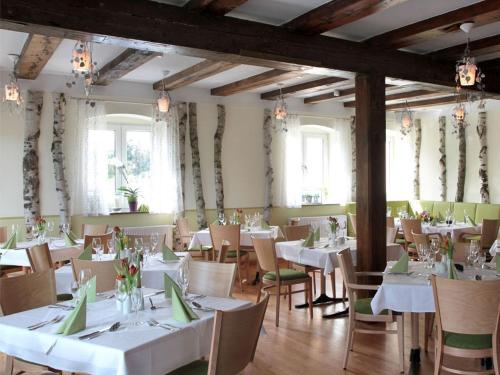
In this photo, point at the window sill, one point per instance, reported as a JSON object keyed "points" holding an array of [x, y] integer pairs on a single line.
{"points": [[127, 213], [319, 204]]}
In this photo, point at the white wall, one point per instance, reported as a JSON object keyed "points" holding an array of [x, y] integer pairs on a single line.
{"points": [[429, 159]]}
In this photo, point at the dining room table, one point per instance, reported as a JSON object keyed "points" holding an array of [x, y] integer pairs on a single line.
{"points": [[135, 348], [455, 229], [152, 271], [59, 252], [323, 255], [412, 293], [202, 237]]}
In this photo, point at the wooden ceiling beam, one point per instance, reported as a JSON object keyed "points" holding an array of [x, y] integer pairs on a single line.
{"points": [[481, 13], [253, 82], [422, 103], [124, 63], [337, 13], [341, 94], [193, 74], [400, 95], [216, 7], [37, 51], [303, 88], [479, 47], [128, 24]]}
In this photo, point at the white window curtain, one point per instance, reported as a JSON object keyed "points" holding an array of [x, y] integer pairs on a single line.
{"points": [[339, 174], [90, 162], [165, 166]]}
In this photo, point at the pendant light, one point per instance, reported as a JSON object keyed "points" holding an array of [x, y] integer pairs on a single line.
{"points": [[406, 120], [83, 65], [468, 74], [281, 111], [12, 92]]}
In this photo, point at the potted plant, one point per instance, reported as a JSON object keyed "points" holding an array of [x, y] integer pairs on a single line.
{"points": [[131, 195]]}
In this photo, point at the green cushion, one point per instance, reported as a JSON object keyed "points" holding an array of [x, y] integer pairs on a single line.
{"points": [[64, 297], [412, 245], [463, 341], [460, 207], [487, 211], [363, 306], [400, 241], [286, 274], [232, 253], [193, 368], [472, 237], [440, 209], [203, 248]]}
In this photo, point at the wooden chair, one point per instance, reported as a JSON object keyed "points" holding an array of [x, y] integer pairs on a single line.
{"points": [[360, 309], [352, 217], [221, 257], [26, 292], [211, 278], [410, 227], [276, 277], [104, 270], [489, 233], [94, 229], [296, 232], [234, 341], [186, 235], [39, 257], [230, 233], [87, 240], [3, 234], [468, 322], [391, 234]]}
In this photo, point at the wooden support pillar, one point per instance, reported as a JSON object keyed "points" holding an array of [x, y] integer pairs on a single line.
{"points": [[370, 172]]}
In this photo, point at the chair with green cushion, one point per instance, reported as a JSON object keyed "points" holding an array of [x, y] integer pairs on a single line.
{"points": [[361, 310], [221, 234], [489, 233], [468, 322], [234, 341], [487, 211], [439, 209], [275, 277], [185, 236], [460, 209]]}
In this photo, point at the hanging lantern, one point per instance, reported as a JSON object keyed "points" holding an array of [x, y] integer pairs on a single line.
{"points": [[459, 112], [163, 102], [83, 66], [468, 74], [280, 109], [406, 121], [12, 91]]}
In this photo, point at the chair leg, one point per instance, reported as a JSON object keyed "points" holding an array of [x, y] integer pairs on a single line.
{"points": [[248, 269], [401, 343], [259, 292], [438, 356], [238, 265], [332, 277], [350, 339], [289, 297], [309, 296], [429, 323], [9, 365], [314, 281], [278, 298], [344, 291]]}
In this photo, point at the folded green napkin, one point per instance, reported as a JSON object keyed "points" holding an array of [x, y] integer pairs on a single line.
{"points": [[87, 254], [309, 241], [169, 254], [264, 224], [69, 240], [469, 220], [11, 243], [76, 321], [316, 235], [401, 265], [169, 283], [91, 290], [180, 309]]}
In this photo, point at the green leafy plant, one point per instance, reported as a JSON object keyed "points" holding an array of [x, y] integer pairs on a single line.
{"points": [[144, 208], [129, 193]]}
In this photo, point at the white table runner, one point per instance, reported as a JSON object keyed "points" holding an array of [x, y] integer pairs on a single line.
{"points": [[131, 351], [202, 237]]}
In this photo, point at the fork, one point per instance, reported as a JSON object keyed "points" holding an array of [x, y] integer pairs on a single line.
{"points": [[57, 319], [154, 323]]}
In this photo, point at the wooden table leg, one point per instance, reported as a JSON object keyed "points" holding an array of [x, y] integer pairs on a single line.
{"points": [[415, 345]]}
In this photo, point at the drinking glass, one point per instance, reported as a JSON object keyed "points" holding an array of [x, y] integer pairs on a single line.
{"points": [[111, 246], [74, 291], [65, 228], [481, 260], [422, 251], [138, 244], [97, 246], [83, 279], [430, 256], [183, 278], [435, 245], [29, 231], [136, 304], [155, 238], [50, 227]]}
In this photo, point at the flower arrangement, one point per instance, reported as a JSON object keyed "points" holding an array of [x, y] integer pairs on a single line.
{"points": [[447, 246], [120, 238], [40, 224], [128, 275], [424, 216], [334, 224]]}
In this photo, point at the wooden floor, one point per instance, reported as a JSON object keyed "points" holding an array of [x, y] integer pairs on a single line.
{"points": [[307, 347]]}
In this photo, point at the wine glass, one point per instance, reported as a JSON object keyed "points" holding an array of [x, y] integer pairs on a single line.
{"points": [[183, 278], [50, 227], [97, 246], [111, 246], [138, 244], [65, 228], [83, 279], [155, 238], [481, 259], [136, 297], [74, 291]]}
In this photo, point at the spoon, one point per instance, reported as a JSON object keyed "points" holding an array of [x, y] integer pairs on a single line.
{"points": [[200, 307]]}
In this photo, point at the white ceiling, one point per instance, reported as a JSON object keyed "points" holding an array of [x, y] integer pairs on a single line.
{"points": [[274, 12]]}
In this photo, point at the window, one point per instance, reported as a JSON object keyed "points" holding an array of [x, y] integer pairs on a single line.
{"points": [[315, 166], [399, 166]]}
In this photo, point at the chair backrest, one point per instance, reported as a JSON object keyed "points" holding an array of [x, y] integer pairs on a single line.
{"points": [[348, 272], [296, 232], [420, 239], [87, 240], [352, 217], [94, 229], [409, 226], [229, 233], [466, 306], [295, 221], [235, 337], [391, 234], [26, 292], [390, 222], [489, 232], [3, 233], [183, 230], [39, 257], [211, 278], [266, 254], [221, 257], [105, 272]]}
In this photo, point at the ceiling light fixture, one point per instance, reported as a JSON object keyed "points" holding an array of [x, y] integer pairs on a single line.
{"points": [[406, 120], [83, 65], [280, 110], [468, 74], [164, 101], [12, 91]]}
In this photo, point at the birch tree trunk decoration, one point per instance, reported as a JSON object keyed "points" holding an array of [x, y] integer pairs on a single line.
{"points": [[353, 158], [219, 134], [418, 146], [182, 115], [31, 178], [58, 158], [268, 165], [195, 155], [461, 163], [483, 158], [442, 159]]}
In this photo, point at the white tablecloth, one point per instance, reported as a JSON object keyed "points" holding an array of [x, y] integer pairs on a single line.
{"points": [[202, 237], [413, 292], [321, 222], [455, 229], [130, 351], [58, 251], [152, 274]]}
